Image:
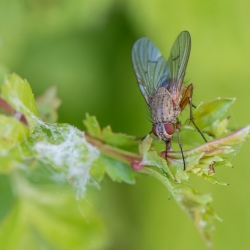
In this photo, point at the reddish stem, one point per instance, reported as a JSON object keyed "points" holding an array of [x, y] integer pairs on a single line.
{"points": [[134, 160]]}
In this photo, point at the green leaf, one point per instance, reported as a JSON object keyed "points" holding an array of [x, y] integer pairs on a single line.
{"points": [[217, 128], [18, 94], [98, 169], [176, 166], [207, 113], [145, 145], [213, 180], [11, 132], [106, 135], [47, 105], [118, 171], [190, 137], [201, 159], [93, 127], [117, 139]]}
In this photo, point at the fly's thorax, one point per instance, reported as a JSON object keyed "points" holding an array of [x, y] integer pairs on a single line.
{"points": [[163, 108]]}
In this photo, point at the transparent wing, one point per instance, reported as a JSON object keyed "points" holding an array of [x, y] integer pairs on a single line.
{"points": [[178, 61], [150, 67]]}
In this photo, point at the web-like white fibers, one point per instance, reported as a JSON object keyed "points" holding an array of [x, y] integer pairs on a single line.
{"points": [[68, 152]]}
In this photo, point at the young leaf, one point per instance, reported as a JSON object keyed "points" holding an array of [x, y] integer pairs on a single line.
{"points": [[207, 113], [119, 171], [106, 135], [47, 105], [92, 126], [17, 92]]}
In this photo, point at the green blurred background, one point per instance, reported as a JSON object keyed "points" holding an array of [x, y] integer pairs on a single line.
{"points": [[84, 48]]}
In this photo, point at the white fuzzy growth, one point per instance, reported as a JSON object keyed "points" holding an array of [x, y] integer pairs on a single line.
{"points": [[72, 157]]}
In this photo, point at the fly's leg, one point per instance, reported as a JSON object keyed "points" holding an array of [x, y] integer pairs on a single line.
{"points": [[187, 98], [169, 143], [184, 103], [178, 125], [168, 147]]}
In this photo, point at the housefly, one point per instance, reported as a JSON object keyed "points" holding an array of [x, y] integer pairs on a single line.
{"points": [[161, 84]]}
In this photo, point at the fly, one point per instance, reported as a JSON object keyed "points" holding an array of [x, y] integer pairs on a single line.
{"points": [[161, 84]]}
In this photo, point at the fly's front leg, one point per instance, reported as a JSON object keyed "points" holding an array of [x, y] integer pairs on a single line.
{"points": [[187, 98], [168, 147]]}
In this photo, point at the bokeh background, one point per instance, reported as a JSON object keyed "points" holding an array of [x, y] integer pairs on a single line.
{"points": [[84, 48]]}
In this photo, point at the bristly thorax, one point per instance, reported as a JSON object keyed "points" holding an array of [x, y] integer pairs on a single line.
{"points": [[162, 107]]}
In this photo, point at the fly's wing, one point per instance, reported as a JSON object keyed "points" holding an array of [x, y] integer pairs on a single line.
{"points": [[150, 67], [178, 61]]}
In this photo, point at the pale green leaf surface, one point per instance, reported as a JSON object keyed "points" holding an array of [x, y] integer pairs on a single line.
{"points": [[207, 113], [92, 126], [217, 128], [118, 171], [98, 169]]}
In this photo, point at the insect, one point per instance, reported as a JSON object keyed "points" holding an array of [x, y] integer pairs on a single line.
{"points": [[161, 84]]}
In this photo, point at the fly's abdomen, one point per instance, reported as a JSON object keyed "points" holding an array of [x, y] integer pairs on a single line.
{"points": [[162, 107]]}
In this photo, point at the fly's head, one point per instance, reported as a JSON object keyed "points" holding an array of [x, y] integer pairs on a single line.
{"points": [[164, 131]]}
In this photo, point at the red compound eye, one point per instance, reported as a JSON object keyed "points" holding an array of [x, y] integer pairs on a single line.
{"points": [[154, 130], [169, 128]]}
